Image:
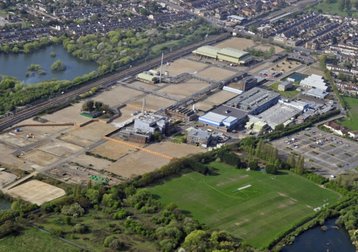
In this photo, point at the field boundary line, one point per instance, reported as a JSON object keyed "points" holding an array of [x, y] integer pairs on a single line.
{"points": [[139, 148]]}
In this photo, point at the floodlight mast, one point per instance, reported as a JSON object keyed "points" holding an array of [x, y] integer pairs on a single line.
{"points": [[161, 68]]}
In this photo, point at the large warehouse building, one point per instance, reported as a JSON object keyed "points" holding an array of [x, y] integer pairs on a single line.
{"points": [[207, 51], [279, 114], [254, 101], [230, 55], [224, 116], [233, 56]]}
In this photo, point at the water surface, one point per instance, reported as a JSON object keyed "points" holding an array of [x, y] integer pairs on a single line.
{"points": [[316, 240], [4, 204], [16, 65]]}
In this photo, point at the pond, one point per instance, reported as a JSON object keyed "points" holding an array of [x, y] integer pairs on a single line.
{"points": [[317, 240], [4, 204], [297, 77], [16, 65]]}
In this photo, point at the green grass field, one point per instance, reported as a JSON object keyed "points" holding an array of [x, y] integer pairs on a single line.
{"points": [[351, 121], [35, 240], [271, 205], [333, 9]]}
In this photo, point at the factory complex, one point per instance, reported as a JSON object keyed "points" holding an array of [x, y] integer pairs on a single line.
{"points": [[201, 100]]}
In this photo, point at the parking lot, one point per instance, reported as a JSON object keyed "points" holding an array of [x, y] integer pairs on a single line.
{"points": [[325, 153]]}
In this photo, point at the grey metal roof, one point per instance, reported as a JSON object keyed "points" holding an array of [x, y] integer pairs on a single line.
{"points": [[252, 98], [230, 111]]}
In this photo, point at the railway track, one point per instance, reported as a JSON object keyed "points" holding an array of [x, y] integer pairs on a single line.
{"points": [[103, 82]]}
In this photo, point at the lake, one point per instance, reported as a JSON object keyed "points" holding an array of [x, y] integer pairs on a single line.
{"points": [[316, 240], [16, 65]]}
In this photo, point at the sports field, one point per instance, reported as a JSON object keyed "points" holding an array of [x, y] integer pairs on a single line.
{"points": [[351, 122], [251, 205]]}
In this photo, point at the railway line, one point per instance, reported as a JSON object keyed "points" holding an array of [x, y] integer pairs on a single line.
{"points": [[103, 82]]}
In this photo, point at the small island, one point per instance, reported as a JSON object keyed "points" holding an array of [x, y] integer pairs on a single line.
{"points": [[58, 66], [53, 54], [35, 69]]}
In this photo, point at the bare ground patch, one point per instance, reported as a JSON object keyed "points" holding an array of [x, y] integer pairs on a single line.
{"points": [[40, 158], [117, 95], [185, 89], [237, 43], [215, 73], [183, 66], [112, 150], [36, 192]]}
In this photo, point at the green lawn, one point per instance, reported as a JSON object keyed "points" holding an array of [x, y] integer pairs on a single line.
{"points": [[287, 94], [3, 13], [333, 9], [351, 121], [35, 240], [257, 214]]}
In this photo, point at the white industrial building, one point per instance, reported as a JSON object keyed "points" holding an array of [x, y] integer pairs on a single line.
{"points": [[317, 93], [224, 116], [150, 123], [281, 113], [314, 81]]}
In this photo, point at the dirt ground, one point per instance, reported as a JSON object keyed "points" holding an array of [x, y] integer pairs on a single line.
{"points": [[313, 70], [214, 100], [185, 89], [142, 162], [153, 103], [285, 66], [112, 150], [117, 95], [174, 149], [7, 159], [237, 43], [60, 148], [84, 136], [183, 66], [92, 162], [20, 139], [136, 164], [143, 86], [40, 158], [266, 65], [36, 192], [215, 73], [70, 114], [267, 47], [6, 178]]}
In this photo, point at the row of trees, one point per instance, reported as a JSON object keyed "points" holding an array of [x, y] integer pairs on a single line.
{"points": [[29, 47]]}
